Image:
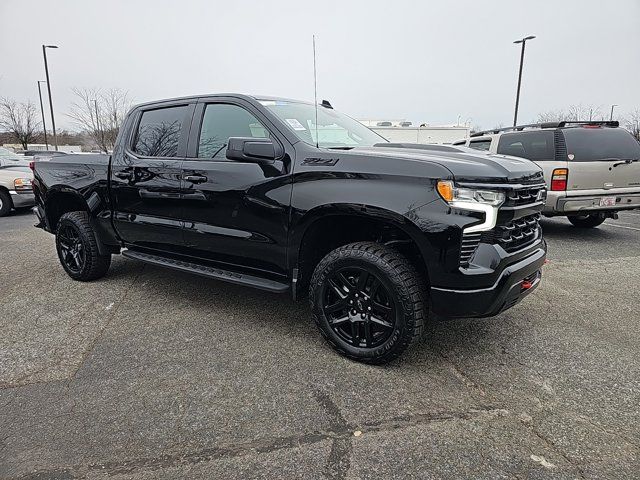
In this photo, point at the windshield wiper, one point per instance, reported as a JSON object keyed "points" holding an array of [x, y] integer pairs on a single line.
{"points": [[626, 161], [340, 148]]}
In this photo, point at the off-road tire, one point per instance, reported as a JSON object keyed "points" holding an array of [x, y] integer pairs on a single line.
{"points": [[6, 204], [95, 265], [401, 279], [587, 221]]}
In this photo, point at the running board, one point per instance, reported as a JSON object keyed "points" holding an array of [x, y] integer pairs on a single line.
{"points": [[211, 272]]}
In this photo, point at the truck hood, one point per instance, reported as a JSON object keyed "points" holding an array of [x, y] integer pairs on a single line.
{"points": [[465, 164]]}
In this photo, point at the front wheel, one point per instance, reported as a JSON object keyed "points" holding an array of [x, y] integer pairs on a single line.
{"points": [[368, 301], [78, 249], [5, 203], [587, 221]]}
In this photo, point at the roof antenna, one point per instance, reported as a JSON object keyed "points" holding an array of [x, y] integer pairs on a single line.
{"points": [[315, 89]]}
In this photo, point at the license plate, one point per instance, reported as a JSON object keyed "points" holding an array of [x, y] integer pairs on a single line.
{"points": [[608, 202]]}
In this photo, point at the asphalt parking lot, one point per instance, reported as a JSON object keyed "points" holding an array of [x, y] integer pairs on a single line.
{"points": [[148, 373]]}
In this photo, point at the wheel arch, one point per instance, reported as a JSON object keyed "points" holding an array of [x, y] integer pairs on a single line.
{"points": [[330, 226], [61, 201]]}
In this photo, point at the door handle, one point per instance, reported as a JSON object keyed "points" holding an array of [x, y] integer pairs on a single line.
{"points": [[123, 175], [195, 178]]}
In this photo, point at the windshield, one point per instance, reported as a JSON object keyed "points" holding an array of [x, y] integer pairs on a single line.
{"points": [[334, 130], [593, 144]]}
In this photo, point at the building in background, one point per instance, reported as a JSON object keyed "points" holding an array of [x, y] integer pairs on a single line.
{"points": [[405, 131]]}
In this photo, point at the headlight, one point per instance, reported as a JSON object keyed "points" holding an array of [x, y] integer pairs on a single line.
{"points": [[485, 201], [450, 193], [22, 184]]}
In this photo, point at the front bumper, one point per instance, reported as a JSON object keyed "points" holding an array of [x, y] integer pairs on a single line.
{"points": [[558, 203], [20, 199], [508, 290]]}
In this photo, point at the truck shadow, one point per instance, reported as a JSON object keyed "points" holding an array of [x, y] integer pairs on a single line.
{"points": [[209, 298]]}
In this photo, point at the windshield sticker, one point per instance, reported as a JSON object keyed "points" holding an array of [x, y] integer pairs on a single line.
{"points": [[295, 124]]}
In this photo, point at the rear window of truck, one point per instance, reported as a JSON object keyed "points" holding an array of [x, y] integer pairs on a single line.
{"points": [[159, 132], [589, 144]]}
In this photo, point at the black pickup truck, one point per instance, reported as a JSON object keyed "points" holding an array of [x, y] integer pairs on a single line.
{"points": [[289, 197]]}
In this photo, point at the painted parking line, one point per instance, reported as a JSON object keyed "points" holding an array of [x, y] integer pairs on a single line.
{"points": [[620, 226]]}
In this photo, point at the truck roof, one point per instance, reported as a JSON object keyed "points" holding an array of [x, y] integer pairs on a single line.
{"points": [[209, 95]]}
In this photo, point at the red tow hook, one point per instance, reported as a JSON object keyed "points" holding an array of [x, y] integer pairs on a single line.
{"points": [[526, 285]]}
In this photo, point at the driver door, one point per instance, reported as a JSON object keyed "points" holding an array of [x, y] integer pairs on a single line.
{"points": [[235, 213]]}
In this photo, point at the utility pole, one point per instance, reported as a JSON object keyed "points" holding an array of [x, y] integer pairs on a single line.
{"points": [[46, 71], [523, 42], [44, 125]]}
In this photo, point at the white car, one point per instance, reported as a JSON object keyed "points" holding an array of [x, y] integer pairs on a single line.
{"points": [[15, 182]]}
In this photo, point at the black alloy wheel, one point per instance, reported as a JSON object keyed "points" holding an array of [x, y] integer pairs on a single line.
{"points": [[358, 307], [72, 250], [77, 248], [368, 301]]}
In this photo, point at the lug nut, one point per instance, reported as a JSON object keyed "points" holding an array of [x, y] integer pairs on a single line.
{"points": [[369, 308], [362, 315]]}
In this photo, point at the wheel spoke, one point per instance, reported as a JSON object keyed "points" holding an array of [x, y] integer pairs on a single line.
{"points": [[336, 321], [377, 306], [337, 288], [367, 334], [335, 307], [355, 326], [382, 322], [375, 285], [362, 280]]}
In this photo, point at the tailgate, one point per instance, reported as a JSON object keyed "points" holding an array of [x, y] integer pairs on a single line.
{"points": [[601, 158]]}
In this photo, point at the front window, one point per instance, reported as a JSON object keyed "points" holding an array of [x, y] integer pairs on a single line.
{"points": [[333, 130], [222, 121]]}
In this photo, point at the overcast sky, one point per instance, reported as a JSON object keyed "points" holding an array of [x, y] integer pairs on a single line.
{"points": [[423, 61]]}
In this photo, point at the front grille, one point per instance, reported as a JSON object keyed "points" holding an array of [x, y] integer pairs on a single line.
{"points": [[511, 235], [524, 196], [516, 234]]}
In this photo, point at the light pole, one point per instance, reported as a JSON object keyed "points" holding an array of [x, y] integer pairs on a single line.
{"points": [[523, 42], [44, 125], [612, 107], [46, 71]]}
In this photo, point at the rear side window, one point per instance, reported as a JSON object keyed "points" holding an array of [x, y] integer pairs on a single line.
{"points": [[535, 145], [222, 121], [480, 144], [159, 132], [593, 144]]}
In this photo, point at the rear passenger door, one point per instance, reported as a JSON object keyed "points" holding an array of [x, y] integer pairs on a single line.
{"points": [[235, 213], [146, 178]]}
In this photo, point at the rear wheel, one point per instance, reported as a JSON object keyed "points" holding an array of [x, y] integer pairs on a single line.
{"points": [[5, 203], [78, 249], [368, 301], [587, 221]]}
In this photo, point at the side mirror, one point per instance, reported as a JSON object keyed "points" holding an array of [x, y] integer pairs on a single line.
{"points": [[249, 149]]}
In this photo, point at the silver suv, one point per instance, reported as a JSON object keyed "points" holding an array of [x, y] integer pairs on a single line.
{"points": [[592, 169]]}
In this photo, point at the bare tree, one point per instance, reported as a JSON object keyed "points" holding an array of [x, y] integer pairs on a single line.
{"points": [[100, 113], [20, 120], [632, 122], [572, 113]]}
